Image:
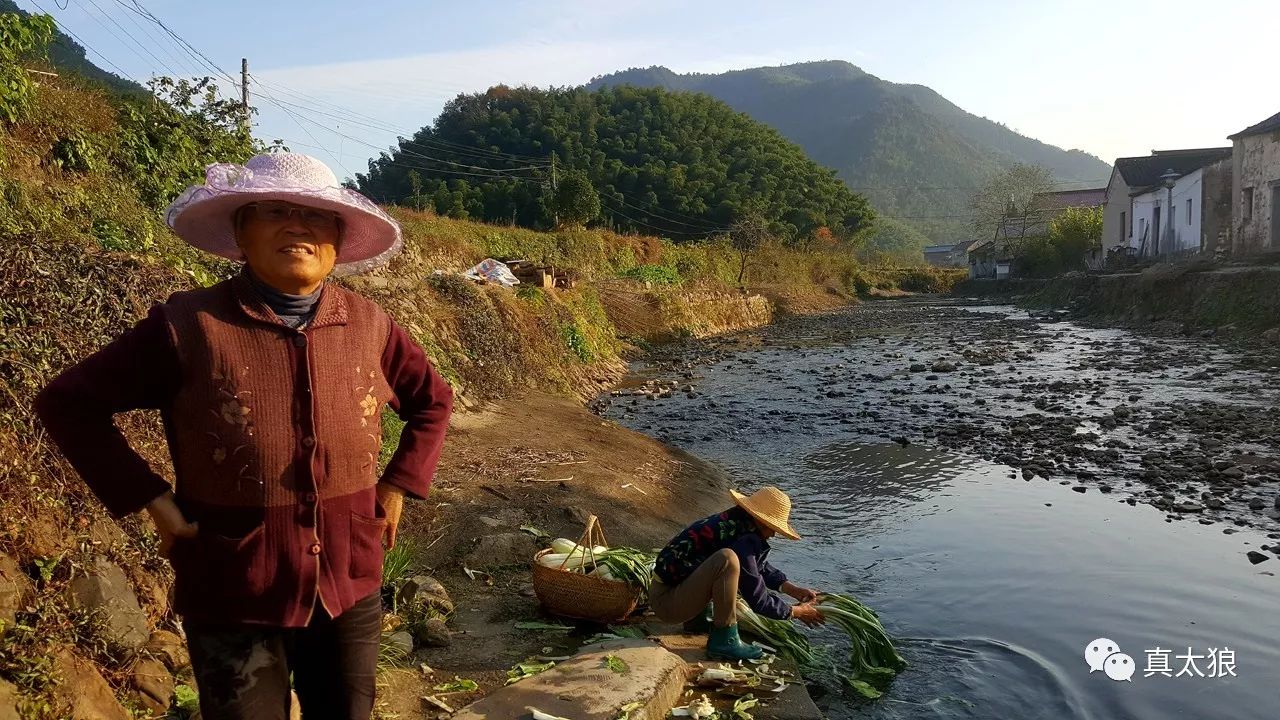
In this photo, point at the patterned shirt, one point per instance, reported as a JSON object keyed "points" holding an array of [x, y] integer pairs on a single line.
{"points": [[736, 530]]}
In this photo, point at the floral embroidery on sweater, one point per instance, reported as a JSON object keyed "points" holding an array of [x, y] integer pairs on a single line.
{"points": [[233, 410], [369, 405], [369, 408]]}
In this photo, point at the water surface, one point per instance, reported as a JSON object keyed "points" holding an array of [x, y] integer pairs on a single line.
{"points": [[994, 584]]}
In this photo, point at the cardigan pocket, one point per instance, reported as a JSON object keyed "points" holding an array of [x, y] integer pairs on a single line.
{"points": [[366, 546], [231, 567]]}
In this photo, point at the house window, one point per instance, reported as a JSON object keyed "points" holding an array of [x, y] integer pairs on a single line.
{"points": [[1124, 222], [1246, 204], [1188, 211]]}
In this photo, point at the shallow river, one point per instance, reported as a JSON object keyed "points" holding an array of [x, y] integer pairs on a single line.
{"points": [[994, 585]]}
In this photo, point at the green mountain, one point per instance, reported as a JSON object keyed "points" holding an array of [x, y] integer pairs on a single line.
{"points": [[67, 54], [680, 165], [912, 152]]}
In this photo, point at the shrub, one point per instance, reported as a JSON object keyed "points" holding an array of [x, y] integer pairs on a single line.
{"points": [[655, 274]]}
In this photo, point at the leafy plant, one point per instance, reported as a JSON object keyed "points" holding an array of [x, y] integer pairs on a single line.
{"points": [[616, 664], [46, 566], [655, 274], [458, 685], [186, 700], [577, 342], [398, 565], [528, 668], [20, 38]]}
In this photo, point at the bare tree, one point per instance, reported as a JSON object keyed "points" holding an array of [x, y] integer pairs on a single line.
{"points": [[1011, 205]]}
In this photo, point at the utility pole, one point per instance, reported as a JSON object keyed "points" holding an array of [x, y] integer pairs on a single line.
{"points": [[244, 91], [555, 213]]}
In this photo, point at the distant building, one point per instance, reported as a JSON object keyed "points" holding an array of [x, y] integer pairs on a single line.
{"points": [[944, 255], [994, 257], [1256, 187], [1060, 200], [1137, 219]]}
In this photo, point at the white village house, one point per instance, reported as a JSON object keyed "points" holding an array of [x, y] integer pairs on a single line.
{"points": [[1168, 202]]}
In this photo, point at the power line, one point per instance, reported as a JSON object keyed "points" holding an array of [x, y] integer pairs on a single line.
{"points": [[84, 44], [489, 173], [313, 139], [401, 139], [187, 47], [667, 231], [652, 211], [968, 187], [378, 124], [166, 47], [128, 34]]}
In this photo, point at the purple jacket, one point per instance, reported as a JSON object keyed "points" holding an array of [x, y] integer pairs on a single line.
{"points": [[736, 530]]}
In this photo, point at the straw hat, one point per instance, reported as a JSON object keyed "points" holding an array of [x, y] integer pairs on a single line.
{"points": [[204, 215], [771, 507]]}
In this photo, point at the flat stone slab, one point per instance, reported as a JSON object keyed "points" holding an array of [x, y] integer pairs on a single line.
{"points": [[584, 688], [793, 703]]}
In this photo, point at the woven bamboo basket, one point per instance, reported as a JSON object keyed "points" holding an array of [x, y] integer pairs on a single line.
{"points": [[581, 596]]}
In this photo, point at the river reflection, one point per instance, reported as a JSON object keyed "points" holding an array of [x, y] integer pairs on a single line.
{"points": [[996, 586], [993, 584]]}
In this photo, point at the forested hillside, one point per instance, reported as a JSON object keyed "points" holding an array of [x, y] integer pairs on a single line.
{"points": [[912, 152], [66, 54], [675, 164]]}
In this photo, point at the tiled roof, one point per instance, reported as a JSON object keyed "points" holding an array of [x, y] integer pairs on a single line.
{"points": [[1145, 170], [1062, 199], [1268, 125]]}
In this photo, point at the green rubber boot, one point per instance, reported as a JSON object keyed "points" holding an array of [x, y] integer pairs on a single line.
{"points": [[724, 644], [701, 623]]}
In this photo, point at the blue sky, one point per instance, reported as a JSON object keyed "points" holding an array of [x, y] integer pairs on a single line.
{"points": [[1113, 78]]}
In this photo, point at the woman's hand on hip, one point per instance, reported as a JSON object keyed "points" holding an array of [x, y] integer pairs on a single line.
{"points": [[171, 524], [391, 498]]}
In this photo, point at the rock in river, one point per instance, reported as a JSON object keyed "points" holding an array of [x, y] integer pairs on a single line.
{"points": [[1256, 557]]}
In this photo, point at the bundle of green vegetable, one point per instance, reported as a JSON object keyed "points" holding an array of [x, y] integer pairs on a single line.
{"points": [[620, 563], [873, 661]]}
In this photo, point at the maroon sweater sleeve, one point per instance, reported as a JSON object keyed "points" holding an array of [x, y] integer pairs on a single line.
{"points": [[424, 401], [138, 370]]}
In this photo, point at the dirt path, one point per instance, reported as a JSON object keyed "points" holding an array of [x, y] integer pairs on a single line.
{"points": [[543, 462]]}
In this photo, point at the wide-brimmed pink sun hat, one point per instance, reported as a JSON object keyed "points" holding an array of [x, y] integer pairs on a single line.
{"points": [[204, 215]]}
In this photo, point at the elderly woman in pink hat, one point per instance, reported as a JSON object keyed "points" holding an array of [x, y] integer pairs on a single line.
{"points": [[271, 387]]}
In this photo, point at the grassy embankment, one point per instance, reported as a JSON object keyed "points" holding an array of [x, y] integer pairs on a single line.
{"points": [[83, 254]]}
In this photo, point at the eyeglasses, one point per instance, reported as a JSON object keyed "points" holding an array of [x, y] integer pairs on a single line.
{"points": [[282, 212]]}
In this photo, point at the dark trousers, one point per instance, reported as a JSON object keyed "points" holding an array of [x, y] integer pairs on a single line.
{"points": [[242, 671]]}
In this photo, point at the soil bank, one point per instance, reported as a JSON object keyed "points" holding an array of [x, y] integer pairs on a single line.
{"points": [[542, 461]]}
